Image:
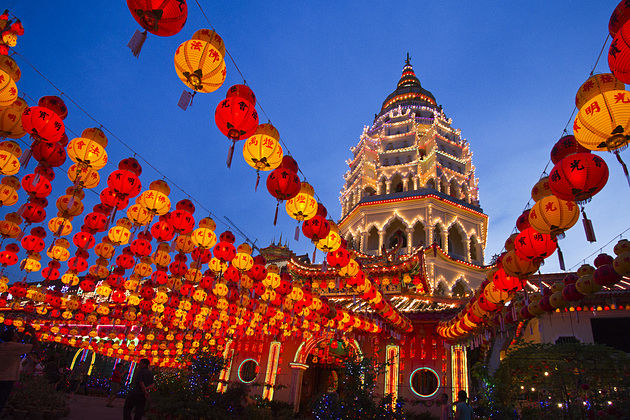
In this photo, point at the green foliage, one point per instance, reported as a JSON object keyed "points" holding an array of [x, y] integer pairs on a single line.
{"points": [[357, 400], [569, 380]]}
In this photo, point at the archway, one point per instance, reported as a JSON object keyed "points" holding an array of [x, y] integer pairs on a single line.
{"points": [[456, 246], [372, 240], [430, 184], [410, 186], [454, 189], [474, 250], [392, 237], [437, 235], [396, 184], [382, 186], [443, 185], [368, 192], [465, 195], [419, 237]]}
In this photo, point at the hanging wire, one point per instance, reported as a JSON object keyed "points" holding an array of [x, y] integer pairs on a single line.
{"points": [[599, 250], [564, 130], [258, 104], [125, 144]]}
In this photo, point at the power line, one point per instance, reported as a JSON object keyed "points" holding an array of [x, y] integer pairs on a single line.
{"points": [[583, 260], [124, 143]]}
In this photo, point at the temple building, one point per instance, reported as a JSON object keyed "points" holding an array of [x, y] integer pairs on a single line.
{"points": [[412, 218]]}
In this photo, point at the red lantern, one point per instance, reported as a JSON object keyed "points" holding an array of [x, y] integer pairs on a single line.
{"points": [[162, 231], [567, 145], [49, 154], [43, 124], [34, 212], [237, 119], [339, 258], [619, 17], [522, 222], [316, 228], [182, 222], [534, 246], [36, 185], [283, 184], [578, 177], [159, 17], [124, 183], [506, 283], [605, 275], [55, 104]]}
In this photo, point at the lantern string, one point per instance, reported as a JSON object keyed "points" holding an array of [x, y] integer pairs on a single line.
{"points": [[564, 132], [258, 104], [599, 250], [127, 146]]}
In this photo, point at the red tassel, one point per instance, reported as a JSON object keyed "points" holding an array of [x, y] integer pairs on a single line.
{"points": [[561, 259], [257, 181], [136, 42], [623, 166], [588, 228], [26, 157], [185, 100], [230, 154], [297, 232], [275, 217], [314, 251]]}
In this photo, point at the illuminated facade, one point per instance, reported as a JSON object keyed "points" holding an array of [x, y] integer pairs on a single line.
{"points": [[411, 176]]}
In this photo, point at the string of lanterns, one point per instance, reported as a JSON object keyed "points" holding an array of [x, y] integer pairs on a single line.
{"points": [[601, 124]]}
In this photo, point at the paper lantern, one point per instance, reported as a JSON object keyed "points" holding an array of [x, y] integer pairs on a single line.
{"points": [[619, 54], [159, 17], [553, 216], [8, 89], [515, 266], [83, 177], [533, 245], [262, 151], [43, 124], [604, 114], [155, 200], [10, 153], [541, 189], [332, 241], [199, 62], [567, 145], [578, 177], [619, 17], [11, 119], [304, 205], [8, 190], [87, 153]]}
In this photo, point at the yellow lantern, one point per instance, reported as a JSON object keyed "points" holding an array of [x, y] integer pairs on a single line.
{"points": [[60, 226], [87, 153], [303, 206], [604, 113], [83, 177], [515, 266], [8, 190], [8, 65], [217, 266], [243, 260], [70, 278], [8, 89], [203, 237], [494, 294], [139, 215], [155, 199], [332, 241], [31, 263], [120, 234], [11, 119], [105, 249], [263, 151], [10, 153], [70, 205], [199, 62], [552, 215], [350, 270]]}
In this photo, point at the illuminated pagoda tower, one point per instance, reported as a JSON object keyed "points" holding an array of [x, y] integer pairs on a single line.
{"points": [[411, 178]]}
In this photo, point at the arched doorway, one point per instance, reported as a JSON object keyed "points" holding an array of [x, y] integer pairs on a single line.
{"points": [[372, 240], [456, 246], [392, 235], [396, 184]]}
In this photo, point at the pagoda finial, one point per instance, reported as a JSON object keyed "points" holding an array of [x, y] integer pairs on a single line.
{"points": [[408, 60]]}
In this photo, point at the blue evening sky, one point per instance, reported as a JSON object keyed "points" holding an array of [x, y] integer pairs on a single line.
{"points": [[505, 72]]}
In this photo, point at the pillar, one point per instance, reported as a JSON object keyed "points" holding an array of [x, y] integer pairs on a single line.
{"points": [[392, 358], [405, 182], [381, 240], [364, 237], [409, 232], [415, 182], [296, 384]]}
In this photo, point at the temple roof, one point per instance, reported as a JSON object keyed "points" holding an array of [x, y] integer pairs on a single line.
{"points": [[408, 92]]}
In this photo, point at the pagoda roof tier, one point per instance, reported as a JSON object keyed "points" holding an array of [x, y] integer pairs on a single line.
{"points": [[409, 91]]}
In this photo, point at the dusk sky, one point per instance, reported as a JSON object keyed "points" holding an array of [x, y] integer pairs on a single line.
{"points": [[505, 72]]}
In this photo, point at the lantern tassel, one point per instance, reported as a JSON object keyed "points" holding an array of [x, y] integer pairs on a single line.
{"points": [[297, 232], [275, 217], [314, 251], [230, 154], [561, 259], [623, 166], [588, 228], [136, 42], [257, 181], [185, 100], [26, 157]]}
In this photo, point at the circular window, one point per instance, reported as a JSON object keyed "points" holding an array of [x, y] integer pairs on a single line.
{"points": [[248, 370], [424, 382]]}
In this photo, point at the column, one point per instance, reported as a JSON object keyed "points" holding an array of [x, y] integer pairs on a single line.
{"points": [[405, 184], [467, 249], [272, 370], [381, 241], [296, 384], [364, 236], [415, 182], [224, 376], [409, 232], [392, 359]]}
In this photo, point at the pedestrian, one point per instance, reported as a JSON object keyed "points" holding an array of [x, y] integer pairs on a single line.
{"points": [[447, 409], [138, 394], [462, 410], [11, 351], [114, 385]]}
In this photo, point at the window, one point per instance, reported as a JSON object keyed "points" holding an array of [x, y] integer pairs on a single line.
{"points": [[248, 370], [424, 382]]}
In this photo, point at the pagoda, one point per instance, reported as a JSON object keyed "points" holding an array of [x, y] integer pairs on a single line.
{"points": [[411, 185]]}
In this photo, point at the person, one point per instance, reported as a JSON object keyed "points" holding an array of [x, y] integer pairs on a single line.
{"points": [[11, 351], [462, 410], [447, 410], [114, 385], [138, 394]]}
